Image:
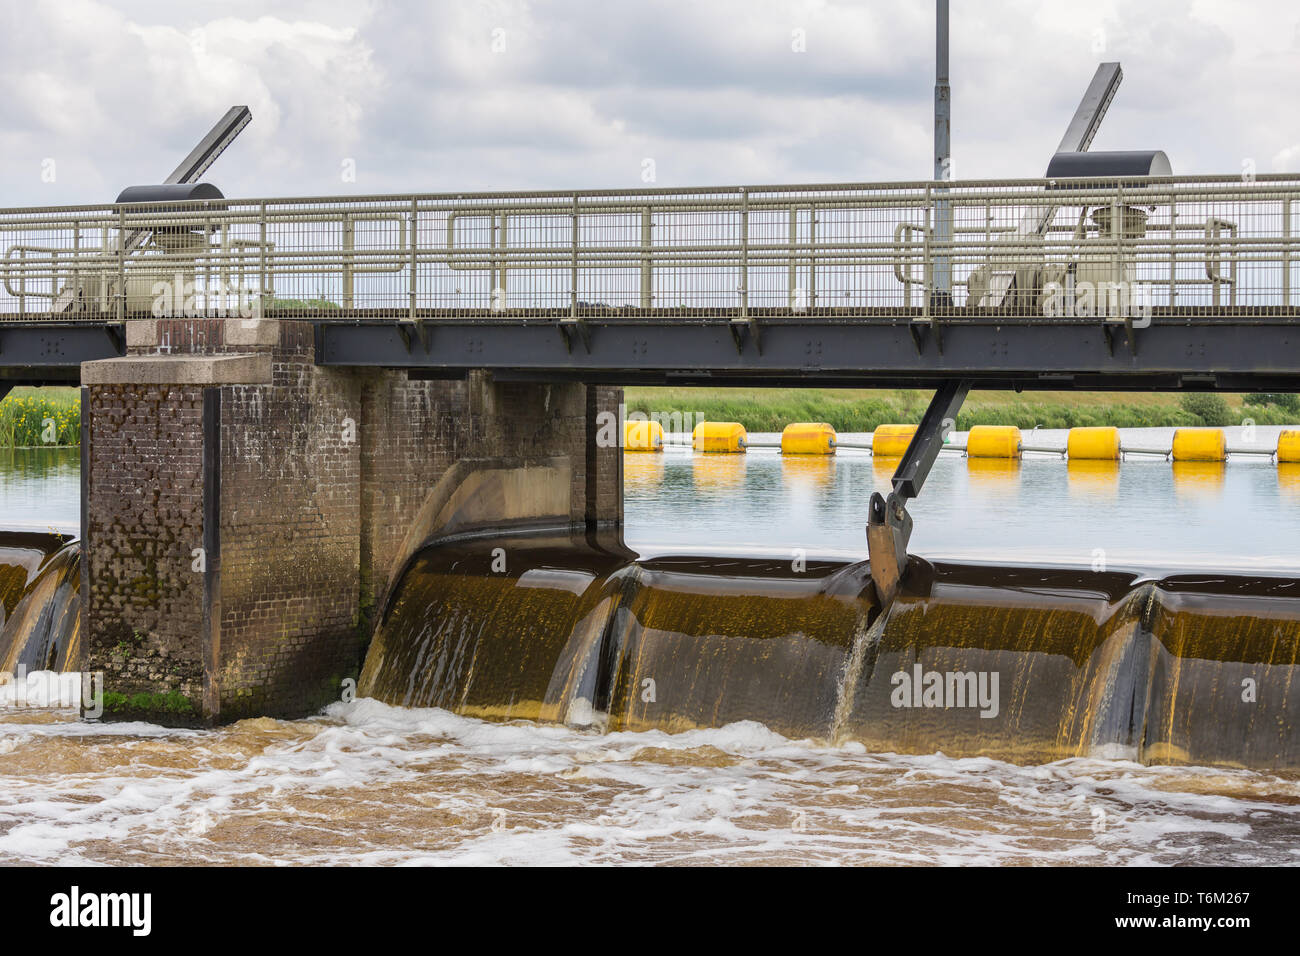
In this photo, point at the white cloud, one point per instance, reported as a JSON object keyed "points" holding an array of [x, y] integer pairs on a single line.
{"points": [[584, 90]]}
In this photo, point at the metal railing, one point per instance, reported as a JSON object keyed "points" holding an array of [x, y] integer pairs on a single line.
{"points": [[1193, 246]]}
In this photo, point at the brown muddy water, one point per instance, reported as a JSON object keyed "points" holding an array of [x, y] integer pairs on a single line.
{"points": [[507, 719]]}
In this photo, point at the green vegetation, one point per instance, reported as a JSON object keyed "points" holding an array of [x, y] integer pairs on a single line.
{"points": [[317, 305], [40, 417], [26, 414], [172, 702], [861, 410], [1283, 400], [1209, 407]]}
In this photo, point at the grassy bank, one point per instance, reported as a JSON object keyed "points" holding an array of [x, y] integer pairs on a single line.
{"points": [[40, 417], [27, 413], [861, 410]]}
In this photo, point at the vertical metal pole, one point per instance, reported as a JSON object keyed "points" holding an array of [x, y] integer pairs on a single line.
{"points": [[1286, 252], [224, 269], [744, 252], [647, 268], [349, 276], [812, 257], [263, 283], [942, 157], [1116, 259], [415, 237], [207, 267], [1173, 250], [121, 264], [76, 253], [501, 282], [573, 266], [927, 271], [793, 277]]}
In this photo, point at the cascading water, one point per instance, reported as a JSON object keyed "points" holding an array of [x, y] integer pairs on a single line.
{"points": [[40, 603], [1020, 663]]}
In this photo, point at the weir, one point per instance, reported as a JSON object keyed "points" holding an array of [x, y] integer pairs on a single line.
{"points": [[378, 439], [1019, 663]]}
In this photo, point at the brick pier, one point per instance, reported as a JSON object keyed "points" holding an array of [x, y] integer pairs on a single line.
{"points": [[244, 510]]}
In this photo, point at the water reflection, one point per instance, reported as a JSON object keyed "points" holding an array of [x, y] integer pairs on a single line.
{"points": [[1041, 508], [995, 477], [714, 473], [643, 470], [40, 488], [1092, 479], [1288, 480], [1199, 480], [808, 473]]}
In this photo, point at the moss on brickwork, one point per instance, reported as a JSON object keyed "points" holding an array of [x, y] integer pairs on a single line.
{"points": [[172, 708]]}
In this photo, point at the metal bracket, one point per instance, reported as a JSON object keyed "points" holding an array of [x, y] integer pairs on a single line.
{"points": [[889, 526], [404, 330], [1110, 338], [117, 336], [738, 329], [919, 331], [567, 329], [1131, 335]]}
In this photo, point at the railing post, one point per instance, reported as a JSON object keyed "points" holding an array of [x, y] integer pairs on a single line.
{"points": [[812, 256], [22, 284], [54, 279], [647, 267], [263, 282], [1286, 252], [121, 264], [573, 264], [415, 237], [224, 271], [501, 282], [927, 272], [1116, 235], [207, 265], [744, 252], [793, 266], [1173, 249], [349, 274], [76, 253]]}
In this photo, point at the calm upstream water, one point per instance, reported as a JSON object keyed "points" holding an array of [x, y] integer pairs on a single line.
{"points": [[369, 783]]}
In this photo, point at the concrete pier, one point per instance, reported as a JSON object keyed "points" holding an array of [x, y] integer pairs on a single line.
{"points": [[244, 510]]}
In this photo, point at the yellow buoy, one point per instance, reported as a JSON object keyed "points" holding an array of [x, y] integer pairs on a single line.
{"points": [[1199, 444], [720, 437], [1288, 447], [643, 436], [993, 441], [808, 438], [890, 441], [1093, 443]]}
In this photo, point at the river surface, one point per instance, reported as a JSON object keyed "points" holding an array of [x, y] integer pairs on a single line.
{"points": [[365, 782]]}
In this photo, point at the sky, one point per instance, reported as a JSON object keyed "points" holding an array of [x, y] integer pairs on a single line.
{"points": [[375, 96]]}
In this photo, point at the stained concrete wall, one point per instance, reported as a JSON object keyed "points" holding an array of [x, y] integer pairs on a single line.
{"points": [[245, 510]]}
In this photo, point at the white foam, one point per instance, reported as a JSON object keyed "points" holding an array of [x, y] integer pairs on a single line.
{"points": [[370, 783]]}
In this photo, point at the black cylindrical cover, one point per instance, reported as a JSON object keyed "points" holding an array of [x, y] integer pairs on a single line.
{"points": [[169, 192]]}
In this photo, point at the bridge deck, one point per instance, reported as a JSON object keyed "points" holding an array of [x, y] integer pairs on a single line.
{"points": [[1173, 282]]}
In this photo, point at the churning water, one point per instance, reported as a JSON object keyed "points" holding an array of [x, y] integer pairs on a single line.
{"points": [[372, 782]]}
